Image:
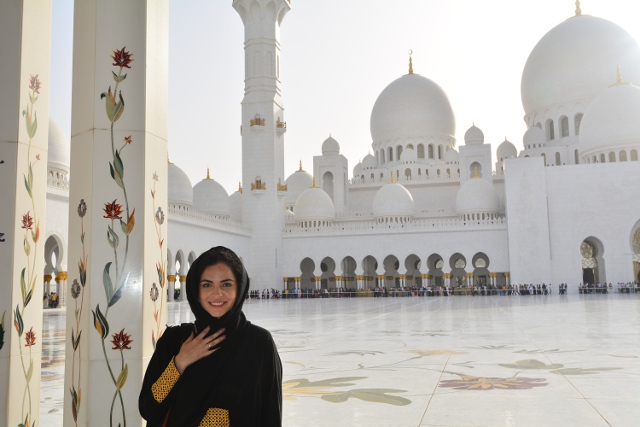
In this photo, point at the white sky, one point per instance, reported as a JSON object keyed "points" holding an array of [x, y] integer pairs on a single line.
{"points": [[337, 56]]}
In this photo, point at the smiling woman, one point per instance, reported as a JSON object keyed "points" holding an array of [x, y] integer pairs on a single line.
{"points": [[220, 370]]}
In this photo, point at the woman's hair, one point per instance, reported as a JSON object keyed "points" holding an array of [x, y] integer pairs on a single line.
{"points": [[214, 256], [218, 255]]}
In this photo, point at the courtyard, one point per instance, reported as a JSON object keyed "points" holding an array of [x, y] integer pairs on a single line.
{"points": [[539, 360]]}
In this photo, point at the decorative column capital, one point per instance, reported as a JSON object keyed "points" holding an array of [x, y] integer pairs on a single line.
{"points": [[62, 275], [171, 277], [47, 278], [183, 279]]}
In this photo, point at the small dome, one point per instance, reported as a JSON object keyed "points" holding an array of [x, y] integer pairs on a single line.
{"points": [[314, 205], [477, 196], [59, 155], [412, 106], [533, 135], [452, 156], [573, 61], [506, 150], [369, 161], [611, 121], [408, 154], [357, 169], [296, 183], [393, 200], [330, 147], [179, 189], [211, 197], [473, 136]]}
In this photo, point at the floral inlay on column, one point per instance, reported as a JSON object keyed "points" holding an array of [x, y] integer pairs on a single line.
{"points": [[77, 290], [31, 226], [161, 268], [115, 281]]}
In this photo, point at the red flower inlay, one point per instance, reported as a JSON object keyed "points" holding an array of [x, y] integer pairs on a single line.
{"points": [[128, 139], [34, 83], [112, 210], [122, 58], [121, 341], [27, 221], [30, 338]]}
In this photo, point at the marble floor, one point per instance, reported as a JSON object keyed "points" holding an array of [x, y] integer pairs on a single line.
{"points": [[557, 360]]}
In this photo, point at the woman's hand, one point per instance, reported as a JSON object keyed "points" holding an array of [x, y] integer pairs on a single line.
{"points": [[195, 348]]}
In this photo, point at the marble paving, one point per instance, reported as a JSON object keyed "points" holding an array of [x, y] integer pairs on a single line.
{"points": [[557, 360]]}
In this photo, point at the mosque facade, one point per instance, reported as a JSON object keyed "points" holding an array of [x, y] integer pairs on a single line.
{"points": [[422, 208]]}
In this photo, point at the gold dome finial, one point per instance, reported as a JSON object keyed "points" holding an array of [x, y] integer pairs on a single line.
{"points": [[208, 175], [313, 183], [168, 161], [239, 187], [619, 74], [393, 179], [410, 62], [578, 10], [475, 172], [619, 80], [300, 170]]}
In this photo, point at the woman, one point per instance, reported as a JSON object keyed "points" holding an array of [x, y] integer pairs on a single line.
{"points": [[220, 370]]}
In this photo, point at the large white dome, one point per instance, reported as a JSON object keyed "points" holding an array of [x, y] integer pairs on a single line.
{"points": [[180, 191], [314, 204], [611, 121], [574, 61], [411, 107], [393, 200], [59, 155], [211, 197], [477, 196]]}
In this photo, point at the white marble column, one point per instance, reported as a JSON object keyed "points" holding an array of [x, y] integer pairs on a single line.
{"points": [[117, 205], [25, 40], [171, 278]]}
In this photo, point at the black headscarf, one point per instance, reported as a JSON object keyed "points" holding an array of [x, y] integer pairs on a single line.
{"points": [[230, 320], [193, 399]]}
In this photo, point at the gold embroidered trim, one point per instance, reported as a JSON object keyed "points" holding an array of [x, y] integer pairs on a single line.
{"points": [[165, 383], [215, 417]]}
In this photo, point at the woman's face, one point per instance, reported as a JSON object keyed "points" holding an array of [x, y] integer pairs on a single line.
{"points": [[218, 289]]}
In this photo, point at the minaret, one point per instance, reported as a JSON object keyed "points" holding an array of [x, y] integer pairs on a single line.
{"points": [[263, 128]]}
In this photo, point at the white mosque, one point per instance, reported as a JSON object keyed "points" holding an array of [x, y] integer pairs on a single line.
{"points": [[425, 208]]}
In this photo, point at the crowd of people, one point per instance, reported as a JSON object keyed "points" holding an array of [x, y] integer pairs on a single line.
{"points": [[431, 291], [603, 288]]}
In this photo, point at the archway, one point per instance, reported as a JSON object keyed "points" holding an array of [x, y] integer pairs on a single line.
{"points": [[327, 184], [458, 263], [635, 247], [480, 262], [592, 251], [435, 264], [328, 268], [413, 277], [348, 266], [307, 277], [369, 267], [391, 265]]}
